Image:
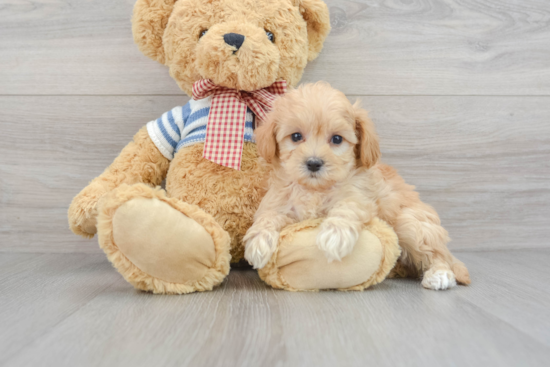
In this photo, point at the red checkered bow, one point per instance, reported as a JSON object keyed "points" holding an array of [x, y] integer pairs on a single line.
{"points": [[226, 122]]}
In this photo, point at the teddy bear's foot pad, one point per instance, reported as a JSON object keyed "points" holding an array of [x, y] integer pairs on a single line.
{"points": [[163, 242], [304, 266], [299, 264]]}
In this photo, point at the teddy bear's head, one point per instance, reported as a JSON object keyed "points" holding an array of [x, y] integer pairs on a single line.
{"points": [[239, 44]]}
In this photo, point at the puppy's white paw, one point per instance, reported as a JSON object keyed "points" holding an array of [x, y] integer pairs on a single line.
{"points": [[260, 247], [336, 238], [438, 279]]}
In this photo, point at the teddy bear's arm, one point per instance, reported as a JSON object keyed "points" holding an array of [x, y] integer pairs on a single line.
{"points": [[139, 162]]}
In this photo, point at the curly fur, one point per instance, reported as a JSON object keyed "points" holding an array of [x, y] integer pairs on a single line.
{"points": [[231, 197], [169, 31], [350, 189]]}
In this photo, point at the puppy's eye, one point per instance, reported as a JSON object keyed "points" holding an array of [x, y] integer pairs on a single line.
{"points": [[296, 137], [203, 33], [337, 140], [270, 36]]}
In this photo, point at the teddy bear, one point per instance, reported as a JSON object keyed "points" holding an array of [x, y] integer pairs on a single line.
{"points": [[234, 57]]}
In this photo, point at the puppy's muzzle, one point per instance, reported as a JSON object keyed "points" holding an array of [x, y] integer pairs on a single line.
{"points": [[314, 164]]}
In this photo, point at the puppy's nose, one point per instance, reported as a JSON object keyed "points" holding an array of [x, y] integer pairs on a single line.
{"points": [[234, 39], [314, 164]]}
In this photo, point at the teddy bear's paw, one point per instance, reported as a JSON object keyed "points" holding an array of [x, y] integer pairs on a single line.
{"points": [[336, 238], [260, 246], [162, 244], [438, 279], [161, 241], [83, 211], [83, 225], [300, 265]]}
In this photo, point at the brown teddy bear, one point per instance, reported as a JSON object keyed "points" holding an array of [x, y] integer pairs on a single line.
{"points": [[234, 57]]}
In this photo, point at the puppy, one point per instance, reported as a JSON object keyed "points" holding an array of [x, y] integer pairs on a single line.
{"points": [[325, 152]]}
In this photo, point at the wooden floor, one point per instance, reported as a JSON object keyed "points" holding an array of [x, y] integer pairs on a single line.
{"points": [[75, 310]]}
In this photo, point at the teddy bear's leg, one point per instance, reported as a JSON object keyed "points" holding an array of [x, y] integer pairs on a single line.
{"points": [[162, 244], [298, 264]]}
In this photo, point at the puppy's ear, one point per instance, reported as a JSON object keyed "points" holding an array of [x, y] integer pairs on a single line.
{"points": [[317, 17], [148, 24], [368, 148], [266, 141]]}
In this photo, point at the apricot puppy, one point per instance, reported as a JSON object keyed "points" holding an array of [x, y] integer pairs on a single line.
{"points": [[325, 153]]}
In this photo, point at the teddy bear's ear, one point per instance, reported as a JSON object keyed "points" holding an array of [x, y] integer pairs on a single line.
{"points": [[148, 24], [316, 15]]}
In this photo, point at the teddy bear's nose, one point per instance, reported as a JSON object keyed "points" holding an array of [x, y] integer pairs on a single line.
{"points": [[234, 39]]}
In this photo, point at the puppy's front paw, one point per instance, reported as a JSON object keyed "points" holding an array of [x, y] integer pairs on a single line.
{"points": [[260, 246], [440, 279], [336, 238]]}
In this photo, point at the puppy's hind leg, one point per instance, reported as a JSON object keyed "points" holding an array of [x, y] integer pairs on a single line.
{"points": [[424, 243]]}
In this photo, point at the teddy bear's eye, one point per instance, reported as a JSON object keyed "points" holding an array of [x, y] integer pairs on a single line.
{"points": [[296, 137], [203, 33], [270, 36]]}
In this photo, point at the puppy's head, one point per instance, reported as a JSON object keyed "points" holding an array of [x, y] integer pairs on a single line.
{"points": [[317, 137]]}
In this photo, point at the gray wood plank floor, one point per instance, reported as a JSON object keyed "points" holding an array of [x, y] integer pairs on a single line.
{"points": [[75, 310]]}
